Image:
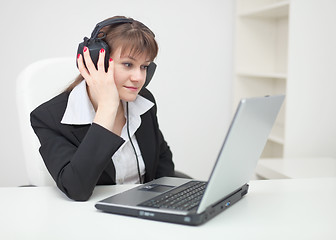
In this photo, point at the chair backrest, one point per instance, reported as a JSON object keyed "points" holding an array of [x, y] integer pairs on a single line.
{"points": [[37, 83]]}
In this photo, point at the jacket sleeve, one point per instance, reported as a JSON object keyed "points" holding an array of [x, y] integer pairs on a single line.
{"points": [[165, 166], [75, 169]]}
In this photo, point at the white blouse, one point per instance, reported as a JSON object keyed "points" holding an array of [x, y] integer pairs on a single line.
{"points": [[80, 111]]}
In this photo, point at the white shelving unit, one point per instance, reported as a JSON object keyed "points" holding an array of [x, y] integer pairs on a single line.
{"points": [[261, 58], [265, 9], [288, 47]]}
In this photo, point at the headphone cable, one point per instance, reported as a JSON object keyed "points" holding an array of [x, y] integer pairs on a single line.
{"points": [[129, 137]]}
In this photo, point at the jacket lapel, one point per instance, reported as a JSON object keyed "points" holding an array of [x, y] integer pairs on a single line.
{"points": [[79, 131], [147, 143]]}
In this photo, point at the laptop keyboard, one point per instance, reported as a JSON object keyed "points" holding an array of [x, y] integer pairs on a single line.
{"points": [[185, 197]]}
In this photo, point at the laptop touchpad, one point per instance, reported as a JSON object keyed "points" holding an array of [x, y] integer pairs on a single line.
{"points": [[156, 188]]}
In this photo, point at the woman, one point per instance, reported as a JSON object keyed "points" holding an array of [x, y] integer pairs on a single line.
{"points": [[103, 129]]}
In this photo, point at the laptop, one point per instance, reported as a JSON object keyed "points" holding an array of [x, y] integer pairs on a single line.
{"points": [[192, 202]]}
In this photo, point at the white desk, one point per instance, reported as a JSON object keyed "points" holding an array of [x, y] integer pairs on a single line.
{"points": [[273, 209]]}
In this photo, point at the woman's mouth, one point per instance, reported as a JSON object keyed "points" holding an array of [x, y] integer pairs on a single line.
{"points": [[134, 89]]}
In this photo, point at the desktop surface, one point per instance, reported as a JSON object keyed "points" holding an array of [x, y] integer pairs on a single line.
{"points": [[273, 209]]}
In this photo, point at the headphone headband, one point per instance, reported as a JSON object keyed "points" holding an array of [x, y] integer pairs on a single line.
{"points": [[95, 44], [105, 23]]}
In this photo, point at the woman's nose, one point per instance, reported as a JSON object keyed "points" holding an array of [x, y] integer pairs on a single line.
{"points": [[137, 75]]}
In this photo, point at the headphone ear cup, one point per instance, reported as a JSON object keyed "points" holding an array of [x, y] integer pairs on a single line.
{"points": [[150, 72], [94, 47]]}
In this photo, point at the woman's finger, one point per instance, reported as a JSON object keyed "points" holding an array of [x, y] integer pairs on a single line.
{"points": [[82, 69], [110, 70], [88, 61], [101, 60]]}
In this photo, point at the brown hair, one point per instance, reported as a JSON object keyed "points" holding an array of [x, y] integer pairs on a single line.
{"points": [[134, 37]]}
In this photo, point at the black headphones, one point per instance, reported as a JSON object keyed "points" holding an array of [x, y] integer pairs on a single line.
{"points": [[95, 44]]}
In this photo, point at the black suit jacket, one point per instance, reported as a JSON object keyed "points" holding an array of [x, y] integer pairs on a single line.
{"points": [[78, 157]]}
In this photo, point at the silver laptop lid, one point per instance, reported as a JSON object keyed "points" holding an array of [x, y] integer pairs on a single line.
{"points": [[242, 147]]}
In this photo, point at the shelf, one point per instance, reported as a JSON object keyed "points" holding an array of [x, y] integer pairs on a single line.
{"points": [[276, 139], [262, 75], [292, 168], [275, 10], [277, 134]]}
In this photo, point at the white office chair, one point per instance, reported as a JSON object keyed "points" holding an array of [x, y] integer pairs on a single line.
{"points": [[36, 84]]}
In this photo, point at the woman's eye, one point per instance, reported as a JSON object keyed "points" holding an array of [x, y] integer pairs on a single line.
{"points": [[128, 64], [144, 66]]}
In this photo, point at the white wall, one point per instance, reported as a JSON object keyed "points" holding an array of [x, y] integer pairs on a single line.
{"points": [[192, 84]]}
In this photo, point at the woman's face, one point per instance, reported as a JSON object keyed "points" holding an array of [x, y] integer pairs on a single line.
{"points": [[129, 74]]}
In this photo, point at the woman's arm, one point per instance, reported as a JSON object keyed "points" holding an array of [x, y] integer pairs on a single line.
{"points": [[166, 166], [75, 168], [102, 90]]}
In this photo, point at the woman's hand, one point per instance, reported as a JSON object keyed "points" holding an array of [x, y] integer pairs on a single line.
{"points": [[101, 88]]}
